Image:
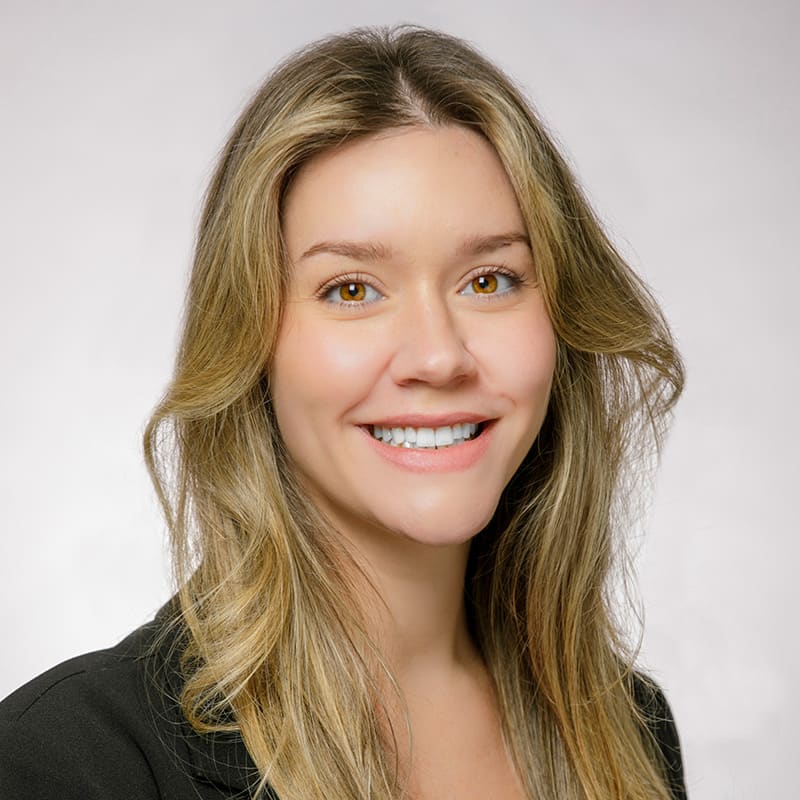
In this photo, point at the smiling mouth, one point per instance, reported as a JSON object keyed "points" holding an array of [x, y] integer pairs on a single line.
{"points": [[427, 438]]}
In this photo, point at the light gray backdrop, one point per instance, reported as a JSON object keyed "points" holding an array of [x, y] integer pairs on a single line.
{"points": [[681, 118]]}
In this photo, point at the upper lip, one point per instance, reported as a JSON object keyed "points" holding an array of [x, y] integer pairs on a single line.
{"points": [[429, 420]]}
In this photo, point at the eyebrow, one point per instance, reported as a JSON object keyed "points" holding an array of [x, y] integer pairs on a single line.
{"points": [[477, 245], [374, 251], [359, 251]]}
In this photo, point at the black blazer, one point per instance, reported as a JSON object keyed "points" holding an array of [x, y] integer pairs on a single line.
{"points": [[107, 726]]}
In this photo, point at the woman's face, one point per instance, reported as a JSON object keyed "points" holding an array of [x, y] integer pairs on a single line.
{"points": [[413, 367]]}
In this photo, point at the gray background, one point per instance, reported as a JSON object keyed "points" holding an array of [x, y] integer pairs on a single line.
{"points": [[681, 119]]}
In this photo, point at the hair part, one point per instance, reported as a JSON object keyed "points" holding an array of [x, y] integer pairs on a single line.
{"points": [[271, 650]]}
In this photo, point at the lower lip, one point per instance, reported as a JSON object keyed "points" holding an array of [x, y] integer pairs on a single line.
{"points": [[448, 459]]}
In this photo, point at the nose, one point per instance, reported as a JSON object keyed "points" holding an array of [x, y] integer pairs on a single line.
{"points": [[430, 348]]}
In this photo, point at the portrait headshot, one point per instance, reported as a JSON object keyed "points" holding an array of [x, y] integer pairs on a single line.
{"points": [[398, 401]]}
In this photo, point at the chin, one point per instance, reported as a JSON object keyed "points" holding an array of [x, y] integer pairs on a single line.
{"points": [[443, 528]]}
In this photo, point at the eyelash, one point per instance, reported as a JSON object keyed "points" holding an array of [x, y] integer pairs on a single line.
{"points": [[341, 280], [514, 278]]}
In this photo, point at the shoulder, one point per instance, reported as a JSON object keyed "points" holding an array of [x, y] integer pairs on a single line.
{"points": [[84, 729], [660, 727], [105, 675]]}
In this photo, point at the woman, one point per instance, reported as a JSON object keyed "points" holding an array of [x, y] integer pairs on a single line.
{"points": [[413, 371]]}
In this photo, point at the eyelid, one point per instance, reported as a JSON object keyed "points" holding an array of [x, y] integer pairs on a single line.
{"points": [[514, 277], [348, 277]]}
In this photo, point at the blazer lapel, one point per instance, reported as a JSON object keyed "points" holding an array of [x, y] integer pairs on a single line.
{"points": [[219, 759]]}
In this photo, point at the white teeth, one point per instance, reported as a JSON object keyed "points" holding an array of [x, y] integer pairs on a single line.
{"points": [[426, 437], [443, 436]]}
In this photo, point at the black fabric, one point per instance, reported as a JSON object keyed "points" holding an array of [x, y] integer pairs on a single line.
{"points": [[107, 726], [661, 726]]}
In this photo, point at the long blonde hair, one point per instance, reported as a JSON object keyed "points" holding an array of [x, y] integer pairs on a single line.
{"points": [[272, 651]]}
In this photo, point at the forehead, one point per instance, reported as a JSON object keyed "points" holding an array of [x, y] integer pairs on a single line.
{"points": [[401, 187]]}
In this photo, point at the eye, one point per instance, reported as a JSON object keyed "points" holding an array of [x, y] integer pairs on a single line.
{"points": [[347, 292], [492, 282]]}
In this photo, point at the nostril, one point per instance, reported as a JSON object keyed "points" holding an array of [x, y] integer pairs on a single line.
{"points": [[427, 359]]}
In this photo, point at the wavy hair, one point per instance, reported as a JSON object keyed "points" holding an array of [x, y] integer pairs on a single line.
{"points": [[272, 651]]}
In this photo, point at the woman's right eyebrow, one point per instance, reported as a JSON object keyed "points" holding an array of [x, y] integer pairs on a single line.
{"points": [[358, 251]]}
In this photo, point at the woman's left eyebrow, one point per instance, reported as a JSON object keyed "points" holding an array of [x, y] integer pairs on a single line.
{"points": [[479, 244], [374, 251]]}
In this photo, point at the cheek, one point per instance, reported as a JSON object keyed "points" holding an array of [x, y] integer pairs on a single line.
{"points": [[319, 370], [518, 353]]}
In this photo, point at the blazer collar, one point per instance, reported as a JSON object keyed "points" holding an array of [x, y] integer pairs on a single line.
{"points": [[220, 759]]}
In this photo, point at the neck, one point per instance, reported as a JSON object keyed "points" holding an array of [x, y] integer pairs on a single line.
{"points": [[419, 621]]}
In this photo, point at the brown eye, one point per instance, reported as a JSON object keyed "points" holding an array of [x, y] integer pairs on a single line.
{"points": [[347, 291], [353, 292], [484, 284]]}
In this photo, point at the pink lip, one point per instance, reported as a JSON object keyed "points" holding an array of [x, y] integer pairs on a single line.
{"points": [[448, 459], [428, 420]]}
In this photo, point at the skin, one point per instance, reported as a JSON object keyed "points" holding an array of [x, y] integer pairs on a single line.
{"points": [[424, 338]]}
